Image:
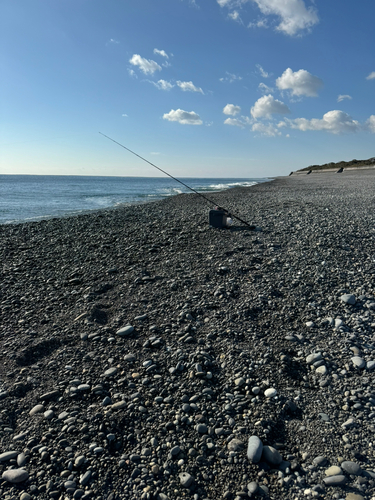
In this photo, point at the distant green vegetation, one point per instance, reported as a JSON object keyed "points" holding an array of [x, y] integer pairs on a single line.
{"points": [[341, 164]]}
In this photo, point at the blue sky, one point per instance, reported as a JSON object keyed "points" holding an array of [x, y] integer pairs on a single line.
{"points": [[204, 88]]}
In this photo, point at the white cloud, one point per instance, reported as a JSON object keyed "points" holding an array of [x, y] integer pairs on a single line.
{"points": [[371, 123], [266, 106], [295, 16], [124, 114], [299, 83], [162, 85], [371, 76], [342, 97], [113, 41], [263, 73], [267, 129], [334, 121], [231, 109], [235, 122], [147, 66], [265, 88], [132, 73], [183, 117], [261, 23], [161, 53], [235, 15], [230, 77], [189, 87]]}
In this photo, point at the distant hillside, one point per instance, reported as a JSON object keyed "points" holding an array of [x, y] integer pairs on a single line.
{"points": [[341, 164]]}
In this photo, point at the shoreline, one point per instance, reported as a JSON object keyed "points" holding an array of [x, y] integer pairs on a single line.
{"points": [[138, 198], [235, 333]]}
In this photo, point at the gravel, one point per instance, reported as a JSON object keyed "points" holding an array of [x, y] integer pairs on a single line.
{"points": [[145, 355]]}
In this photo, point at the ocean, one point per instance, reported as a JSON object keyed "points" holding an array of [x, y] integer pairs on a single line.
{"points": [[25, 198]]}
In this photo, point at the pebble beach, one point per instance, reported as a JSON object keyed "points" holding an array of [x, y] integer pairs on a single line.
{"points": [[146, 355]]}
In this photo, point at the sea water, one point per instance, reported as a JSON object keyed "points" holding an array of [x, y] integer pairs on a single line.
{"points": [[26, 198]]}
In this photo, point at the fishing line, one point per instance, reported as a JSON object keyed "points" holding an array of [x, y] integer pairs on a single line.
{"points": [[177, 180]]}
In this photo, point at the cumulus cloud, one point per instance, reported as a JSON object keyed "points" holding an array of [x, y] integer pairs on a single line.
{"points": [[162, 85], [266, 106], [299, 82], [335, 122], [183, 117], [230, 77], [161, 53], [371, 124], [189, 87], [267, 129], [231, 109], [342, 97], [147, 66], [371, 76], [235, 122], [293, 15]]}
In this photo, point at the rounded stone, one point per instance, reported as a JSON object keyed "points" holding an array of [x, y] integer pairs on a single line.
{"points": [[270, 393], [333, 471], [351, 468], [254, 449], [125, 331], [358, 362], [339, 480], [8, 455], [15, 475], [110, 372], [186, 480], [119, 405], [348, 298], [36, 409]]}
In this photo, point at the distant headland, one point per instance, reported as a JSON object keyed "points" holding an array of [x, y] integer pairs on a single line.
{"points": [[337, 167]]}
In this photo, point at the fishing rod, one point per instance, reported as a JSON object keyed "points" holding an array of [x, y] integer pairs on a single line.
{"points": [[177, 180]]}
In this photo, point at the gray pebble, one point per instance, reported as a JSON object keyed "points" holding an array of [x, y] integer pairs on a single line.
{"points": [[186, 480], [125, 331], [15, 475], [335, 480], [254, 449], [351, 468]]}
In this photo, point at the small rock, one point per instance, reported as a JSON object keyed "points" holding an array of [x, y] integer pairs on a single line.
{"points": [[358, 362], [351, 468], [254, 449], [186, 480], [270, 393], [240, 382], [348, 298], [339, 480], [15, 475], [333, 471], [8, 455], [313, 358], [36, 409], [125, 331], [235, 445]]}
